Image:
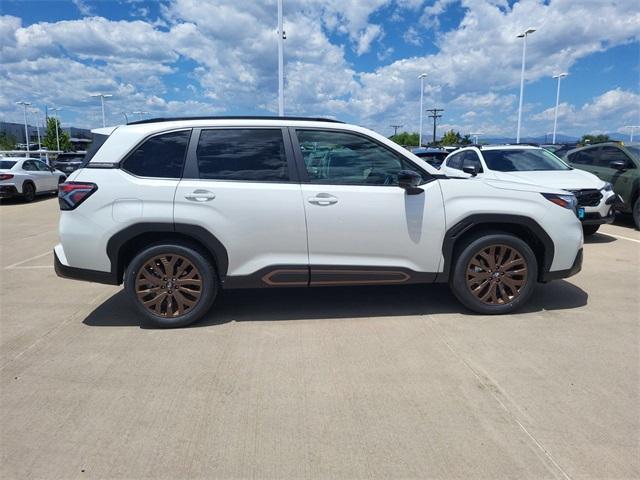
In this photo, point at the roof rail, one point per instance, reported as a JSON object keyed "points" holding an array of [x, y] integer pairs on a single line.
{"points": [[235, 117]]}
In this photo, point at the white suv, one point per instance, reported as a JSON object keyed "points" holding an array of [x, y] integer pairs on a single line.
{"points": [[597, 201], [178, 209]]}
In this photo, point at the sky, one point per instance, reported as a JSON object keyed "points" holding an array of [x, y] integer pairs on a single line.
{"points": [[354, 60]]}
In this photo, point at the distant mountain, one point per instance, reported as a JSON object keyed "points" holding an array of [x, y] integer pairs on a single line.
{"points": [[542, 139]]}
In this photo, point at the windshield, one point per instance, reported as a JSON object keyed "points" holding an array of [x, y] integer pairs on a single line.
{"points": [[523, 160], [635, 151], [69, 158], [6, 164]]}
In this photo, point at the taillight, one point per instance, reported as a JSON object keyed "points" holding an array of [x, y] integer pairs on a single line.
{"points": [[5, 176], [72, 194]]}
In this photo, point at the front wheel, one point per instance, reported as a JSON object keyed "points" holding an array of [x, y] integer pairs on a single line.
{"points": [[171, 285], [636, 213], [494, 274], [590, 229]]}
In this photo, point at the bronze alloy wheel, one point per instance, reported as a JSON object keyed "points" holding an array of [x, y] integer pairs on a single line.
{"points": [[496, 274], [168, 285]]}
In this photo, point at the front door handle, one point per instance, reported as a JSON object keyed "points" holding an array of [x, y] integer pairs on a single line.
{"points": [[323, 199], [200, 196]]}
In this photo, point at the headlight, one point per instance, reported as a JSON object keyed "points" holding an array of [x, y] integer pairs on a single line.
{"points": [[607, 187], [565, 201]]}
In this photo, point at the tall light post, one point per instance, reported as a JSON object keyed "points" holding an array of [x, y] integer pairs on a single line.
{"points": [[56, 118], [281, 37], [102, 97], [422, 76], [26, 129], [523, 35], [631, 131], [559, 76], [36, 112]]}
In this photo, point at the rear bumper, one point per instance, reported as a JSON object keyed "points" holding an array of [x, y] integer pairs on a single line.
{"points": [[8, 191], [95, 276], [558, 274]]}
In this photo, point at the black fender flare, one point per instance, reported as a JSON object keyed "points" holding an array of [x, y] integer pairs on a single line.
{"points": [[195, 232], [495, 220]]}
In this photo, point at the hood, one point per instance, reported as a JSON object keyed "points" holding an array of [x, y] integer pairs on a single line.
{"points": [[519, 186], [560, 179]]}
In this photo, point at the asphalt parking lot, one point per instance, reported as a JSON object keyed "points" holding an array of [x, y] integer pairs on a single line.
{"points": [[381, 382]]}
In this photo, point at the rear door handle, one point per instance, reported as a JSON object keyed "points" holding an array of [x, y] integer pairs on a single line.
{"points": [[323, 199], [200, 196]]}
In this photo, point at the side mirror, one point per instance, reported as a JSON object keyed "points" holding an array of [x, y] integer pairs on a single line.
{"points": [[52, 169], [471, 170], [409, 181], [618, 165]]}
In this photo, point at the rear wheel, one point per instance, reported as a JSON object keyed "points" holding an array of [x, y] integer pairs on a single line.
{"points": [[590, 229], [28, 192], [171, 285], [494, 274]]}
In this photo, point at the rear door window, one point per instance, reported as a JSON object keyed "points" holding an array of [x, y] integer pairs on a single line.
{"points": [[250, 155], [161, 156]]}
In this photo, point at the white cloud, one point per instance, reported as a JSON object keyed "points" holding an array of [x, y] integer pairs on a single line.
{"points": [[412, 37], [84, 9]]}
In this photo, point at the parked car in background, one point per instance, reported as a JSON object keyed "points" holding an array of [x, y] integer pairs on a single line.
{"points": [[617, 164], [559, 149], [534, 165], [69, 161], [28, 177], [433, 156], [180, 209]]}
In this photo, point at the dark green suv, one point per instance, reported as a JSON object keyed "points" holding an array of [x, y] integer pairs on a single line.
{"points": [[616, 163]]}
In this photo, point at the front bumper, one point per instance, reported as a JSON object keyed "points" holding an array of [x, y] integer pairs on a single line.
{"points": [[558, 274], [604, 212]]}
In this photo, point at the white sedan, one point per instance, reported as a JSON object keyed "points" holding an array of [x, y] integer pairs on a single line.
{"points": [[27, 177]]}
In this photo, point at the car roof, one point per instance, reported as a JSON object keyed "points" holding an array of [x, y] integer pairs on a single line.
{"points": [[241, 117]]}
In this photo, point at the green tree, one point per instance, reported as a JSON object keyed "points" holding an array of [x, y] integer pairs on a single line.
{"points": [[591, 139], [7, 142], [406, 138], [451, 138], [49, 140], [466, 140]]}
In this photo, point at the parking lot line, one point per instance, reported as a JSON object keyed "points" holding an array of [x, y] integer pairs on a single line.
{"points": [[16, 265], [621, 237]]}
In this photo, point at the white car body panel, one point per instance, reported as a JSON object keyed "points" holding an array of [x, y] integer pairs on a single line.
{"points": [[260, 224], [375, 226]]}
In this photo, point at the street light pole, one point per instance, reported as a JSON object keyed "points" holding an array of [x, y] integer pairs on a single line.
{"points": [[631, 129], [36, 112], [422, 76], [102, 97], [56, 118], [559, 76], [281, 38], [523, 35], [26, 129]]}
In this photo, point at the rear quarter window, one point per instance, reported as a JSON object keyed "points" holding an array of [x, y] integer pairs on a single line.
{"points": [[161, 156]]}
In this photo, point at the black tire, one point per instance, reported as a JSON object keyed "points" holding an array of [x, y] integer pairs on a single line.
{"points": [[636, 213], [502, 243], [590, 229], [135, 283], [28, 192]]}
